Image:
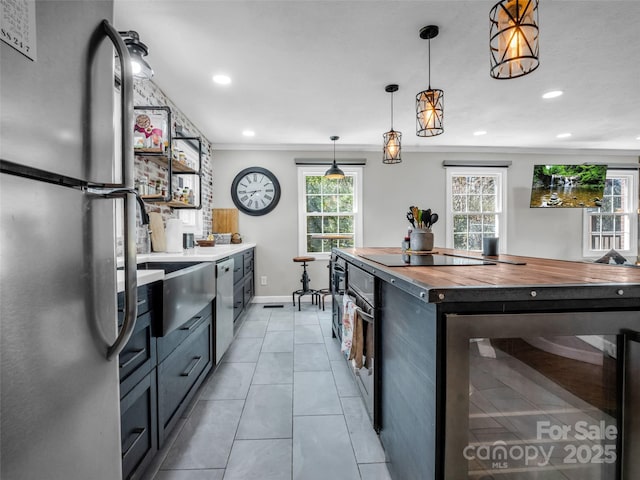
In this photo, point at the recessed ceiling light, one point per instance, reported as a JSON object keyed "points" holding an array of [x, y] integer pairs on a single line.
{"points": [[480, 132], [222, 79], [552, 94], [563, 135], [637, 138], [249, 133]]}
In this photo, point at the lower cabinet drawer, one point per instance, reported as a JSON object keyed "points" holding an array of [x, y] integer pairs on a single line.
{"points": [[168, 343], [238, 299], [180, 374], [138, 356], [248, 290], [138, 422]]}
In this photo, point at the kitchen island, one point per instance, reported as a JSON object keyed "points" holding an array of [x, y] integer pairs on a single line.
{"points": [[495, 370]]}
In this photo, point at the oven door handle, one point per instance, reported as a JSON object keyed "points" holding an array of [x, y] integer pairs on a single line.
{"points": [[367, 316], [630, 462]]}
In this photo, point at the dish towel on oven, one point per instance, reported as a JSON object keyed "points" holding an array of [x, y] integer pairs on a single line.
{"points": [[352, 333], [348, 317]]}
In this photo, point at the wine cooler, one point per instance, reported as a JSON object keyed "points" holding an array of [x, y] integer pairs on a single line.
{"points": [[544, 396]]}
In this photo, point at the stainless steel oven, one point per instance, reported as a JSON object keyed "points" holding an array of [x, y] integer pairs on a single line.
{"points": [[361, 287], [543, 396]]}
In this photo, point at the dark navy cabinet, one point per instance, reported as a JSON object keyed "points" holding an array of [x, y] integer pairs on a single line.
{"points": [[185, 356], [243, 281], [138, 403]]}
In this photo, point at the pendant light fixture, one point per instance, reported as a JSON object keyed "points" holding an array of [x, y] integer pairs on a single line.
{"points": [[137, 50], [430, 102], [513, 38], [391, 148], [334, 172]]}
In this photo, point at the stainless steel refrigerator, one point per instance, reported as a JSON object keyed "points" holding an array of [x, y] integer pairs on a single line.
{"points": [[60, 169]]}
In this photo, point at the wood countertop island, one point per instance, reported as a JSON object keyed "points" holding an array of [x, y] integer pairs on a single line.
{"points": [[517, 279], [477, 363]]}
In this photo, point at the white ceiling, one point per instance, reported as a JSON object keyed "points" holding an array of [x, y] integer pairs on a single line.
{"points": [[303, 70]]}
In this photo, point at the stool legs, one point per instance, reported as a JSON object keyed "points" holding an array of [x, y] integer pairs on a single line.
{"points": [[305, 288]]}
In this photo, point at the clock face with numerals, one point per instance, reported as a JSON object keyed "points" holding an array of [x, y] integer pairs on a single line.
{"points": [[255, 191]]}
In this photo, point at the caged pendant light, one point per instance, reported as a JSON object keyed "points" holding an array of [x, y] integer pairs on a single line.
{"points": [[513, 38], [430, 102], [334, 171], [391, 148]]}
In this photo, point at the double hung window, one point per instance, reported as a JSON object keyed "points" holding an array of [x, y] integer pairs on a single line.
{"points": [[613, 225], [329, 211], [475, 207]]}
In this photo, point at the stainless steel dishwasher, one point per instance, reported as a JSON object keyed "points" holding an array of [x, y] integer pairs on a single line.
{"points": [[224, 306]]}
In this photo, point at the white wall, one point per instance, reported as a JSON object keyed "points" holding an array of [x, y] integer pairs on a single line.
{"points": [[388, 192]]}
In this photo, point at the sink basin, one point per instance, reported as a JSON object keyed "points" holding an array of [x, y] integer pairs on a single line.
{"points": [[187, 288]]}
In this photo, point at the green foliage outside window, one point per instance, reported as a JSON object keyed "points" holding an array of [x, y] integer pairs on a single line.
{"points": [[475, 204], [329, 210]]}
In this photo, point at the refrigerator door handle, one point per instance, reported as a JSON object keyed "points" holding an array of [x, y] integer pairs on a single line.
{"points": [[630, 438], [126, 103], [126, 107]]}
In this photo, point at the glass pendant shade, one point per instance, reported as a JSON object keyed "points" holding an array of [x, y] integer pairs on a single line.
{"points": [[429, 113], [513, 38], [392, 147], [334, 171], [137, 51]]}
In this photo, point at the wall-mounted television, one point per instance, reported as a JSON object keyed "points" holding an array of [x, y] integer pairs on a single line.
{"points": [[567, 186]]}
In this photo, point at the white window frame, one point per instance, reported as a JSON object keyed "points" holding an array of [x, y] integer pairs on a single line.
{"points": [[631, 209], [306, 170], [192, 221], [501, 201]]}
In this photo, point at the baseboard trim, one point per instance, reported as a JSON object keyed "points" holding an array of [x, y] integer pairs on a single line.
{"points": [[279, 299]]}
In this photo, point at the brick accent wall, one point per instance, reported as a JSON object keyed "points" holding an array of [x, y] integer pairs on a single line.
{"points": [[147, 93]]}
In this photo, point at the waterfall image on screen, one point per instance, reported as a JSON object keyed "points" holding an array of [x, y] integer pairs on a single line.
{"points": [[568, 186]]}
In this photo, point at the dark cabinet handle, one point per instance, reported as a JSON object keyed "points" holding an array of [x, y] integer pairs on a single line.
{"points": [[136, 435], [191, 325], [135, 355], [195, 362], [142, 302]]}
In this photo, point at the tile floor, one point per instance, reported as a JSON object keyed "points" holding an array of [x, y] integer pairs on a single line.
{"points": [[281, 405]]}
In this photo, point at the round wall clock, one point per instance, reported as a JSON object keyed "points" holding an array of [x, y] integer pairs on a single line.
{"points": [[255, 191]]}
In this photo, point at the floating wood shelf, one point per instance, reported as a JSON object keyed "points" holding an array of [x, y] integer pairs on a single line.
{"points": [[163, 161], [176, 204]]}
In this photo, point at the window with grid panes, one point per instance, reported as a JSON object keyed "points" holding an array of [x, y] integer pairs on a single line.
{"points": [[475, 207], [613, 225], [328, 207]]}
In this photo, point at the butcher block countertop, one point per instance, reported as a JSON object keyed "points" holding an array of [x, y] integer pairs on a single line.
{"points": [[538, 278]]}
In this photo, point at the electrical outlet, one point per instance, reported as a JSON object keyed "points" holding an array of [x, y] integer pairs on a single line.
{"points": [[263, 280]]}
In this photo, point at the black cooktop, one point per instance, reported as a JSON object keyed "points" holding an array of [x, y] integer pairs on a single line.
{"points": [[428, 260]]}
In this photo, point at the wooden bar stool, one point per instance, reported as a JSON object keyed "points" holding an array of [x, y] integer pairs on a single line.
{"points": [[305, 282]]}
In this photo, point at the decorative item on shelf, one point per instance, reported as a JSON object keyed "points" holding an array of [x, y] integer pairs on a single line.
{"points": [[334, 172], [149, 133], [392, 146], [421, 237], [236, 238], [137, 50], [513, 38], [430, 102]]}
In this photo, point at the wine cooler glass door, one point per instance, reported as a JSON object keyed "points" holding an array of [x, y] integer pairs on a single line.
{"points": [[541, 396]]}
